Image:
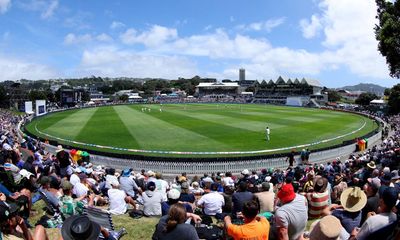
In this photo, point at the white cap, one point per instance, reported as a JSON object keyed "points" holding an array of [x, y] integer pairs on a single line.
{"points": [[245, 172]]}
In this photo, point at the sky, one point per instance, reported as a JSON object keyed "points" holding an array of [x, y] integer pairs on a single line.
{"points": [[331, 41]]}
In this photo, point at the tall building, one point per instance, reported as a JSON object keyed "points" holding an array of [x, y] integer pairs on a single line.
{"points": [[242, 74]]}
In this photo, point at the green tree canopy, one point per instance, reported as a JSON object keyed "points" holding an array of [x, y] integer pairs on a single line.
{"points": [[365, 98], [333, 96], [387, 32], [394, 100]]}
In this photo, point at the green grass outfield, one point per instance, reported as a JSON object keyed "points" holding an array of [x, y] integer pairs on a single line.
{"points": [[200, 127]]}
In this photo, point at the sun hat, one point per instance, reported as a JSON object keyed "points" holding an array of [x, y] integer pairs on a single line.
{"points": [[286, 193], [185, 185], [395, 175], [26, 174], [268, 178], [114, 182], [182, 179], [321, 184], [80, 227], [66, 185], [3, 138], [328, 228], [195, 184], [245, 172], [59, 149], [371, 165], [150, 173], [126, 172], [173, 194], [375, 183], [353, 199]]}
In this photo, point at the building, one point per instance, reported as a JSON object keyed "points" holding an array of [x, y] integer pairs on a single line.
{"points": [[217, 91], [242, 74], [297, 92]]}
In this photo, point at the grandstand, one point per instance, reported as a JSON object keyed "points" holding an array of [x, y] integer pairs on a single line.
{"points": [[291, 92], [217, 91]]}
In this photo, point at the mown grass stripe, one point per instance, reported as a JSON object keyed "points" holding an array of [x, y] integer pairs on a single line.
{"points": [[106, 128], [70, 125], [154, 133]]}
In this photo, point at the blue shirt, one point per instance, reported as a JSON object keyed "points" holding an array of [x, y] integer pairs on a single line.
{"points": [[349, 220]]}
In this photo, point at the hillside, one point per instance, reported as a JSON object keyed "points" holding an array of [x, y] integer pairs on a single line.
{"points": [[366, 87]]}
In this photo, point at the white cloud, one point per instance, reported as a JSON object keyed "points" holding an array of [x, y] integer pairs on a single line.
{"points": [[45, 7], [71, 38], [155, 36], [111, 61], [47, 13], [4, 5], [15, 69], [116, 24], [311, 28], [104, 38], [262, 26]]}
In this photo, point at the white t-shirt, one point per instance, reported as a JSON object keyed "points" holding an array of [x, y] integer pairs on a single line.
{"points": [[80, 189], [117, 201], [212, 203], [228, 181], [74, 179], [161, 187]]}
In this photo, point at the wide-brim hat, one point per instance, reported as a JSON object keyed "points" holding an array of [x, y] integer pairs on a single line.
{"points": [[321, 184], [80, 227], [59, 149], [328, 228], [353, 199], [126, 172], [395, 175], [371, 165]]}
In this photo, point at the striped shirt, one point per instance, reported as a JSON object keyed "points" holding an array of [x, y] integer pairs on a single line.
{"points": [[316, 203]]}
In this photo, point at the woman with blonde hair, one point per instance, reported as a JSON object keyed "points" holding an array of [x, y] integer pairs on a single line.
{"points": [[172, 226]]}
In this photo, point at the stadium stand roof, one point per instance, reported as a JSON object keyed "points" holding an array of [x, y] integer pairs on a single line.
{"points": [[226, 84]]}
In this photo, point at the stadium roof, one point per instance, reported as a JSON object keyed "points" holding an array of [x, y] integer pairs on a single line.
{"points": [[226, 84]]}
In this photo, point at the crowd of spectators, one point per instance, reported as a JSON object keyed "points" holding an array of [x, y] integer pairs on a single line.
{"points": [[351, 198]]}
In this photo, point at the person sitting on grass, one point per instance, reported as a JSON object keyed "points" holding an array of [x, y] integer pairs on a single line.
{"points": [[172, 226], [254, 227], [12, 226]]}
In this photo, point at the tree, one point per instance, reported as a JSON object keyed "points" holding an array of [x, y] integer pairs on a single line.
{"points": [[365, 98], [388, 32], [394, 100], [333, 96], [124, 98], [37, 95], [4, 98]]}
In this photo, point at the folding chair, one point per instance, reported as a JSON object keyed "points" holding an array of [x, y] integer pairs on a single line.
{"points": [[104, 219]]}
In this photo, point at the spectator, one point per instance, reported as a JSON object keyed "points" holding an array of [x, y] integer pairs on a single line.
{"points": [[265, 198], [128, 184], [212, 202], [118, 199], [349, 213], [318, 199], [291, 217], [64, 162], [196, 189], [172, 226], [327, 228], [151, 201], [371, 190], [161, 186], [376, 221], [254, 227], [240, 197]]}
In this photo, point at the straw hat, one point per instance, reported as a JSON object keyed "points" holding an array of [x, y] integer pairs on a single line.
{"points": [[59, 148], [353, 199], [371, 165], [328, 228]]}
